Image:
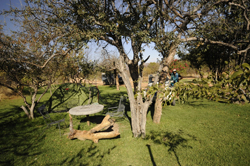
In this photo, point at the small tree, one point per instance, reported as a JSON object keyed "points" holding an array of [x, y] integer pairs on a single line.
{"points": [[107, 64], [22, 56]]}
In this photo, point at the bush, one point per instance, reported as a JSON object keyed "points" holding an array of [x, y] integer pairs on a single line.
{"points": [[150, 68], [180, 66]]}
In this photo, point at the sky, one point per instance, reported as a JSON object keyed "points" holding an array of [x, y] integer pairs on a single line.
{"points": [[94, 50], [5, 5]]}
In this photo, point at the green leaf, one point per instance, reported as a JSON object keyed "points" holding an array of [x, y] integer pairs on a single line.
{"points": [[246, 65], [236, 74], [244, 98]]}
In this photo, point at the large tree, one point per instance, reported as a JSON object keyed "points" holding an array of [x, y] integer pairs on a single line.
{"points": [[165, 22], [186, 21], [183, 21], [114, 22]]}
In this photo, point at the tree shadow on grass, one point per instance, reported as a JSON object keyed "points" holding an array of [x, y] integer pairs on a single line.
{"points": [[113, 101], [151, 110], [172, 141], [96, 119], [197, 104], [87, 155], [151, 155], [19, 137], [110, 100]]}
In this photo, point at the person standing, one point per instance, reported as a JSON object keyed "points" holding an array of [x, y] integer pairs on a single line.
{"points": [[174, 77]]}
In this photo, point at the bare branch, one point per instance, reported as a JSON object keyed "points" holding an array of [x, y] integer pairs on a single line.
{"points": [[245, 12], [217, 42], [244, 51], [48, 86], [209, 41], [52, 56], [174, 10]]}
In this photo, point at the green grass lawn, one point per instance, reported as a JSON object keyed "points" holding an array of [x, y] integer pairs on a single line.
{"points": [[195, 133], [186, 80]]}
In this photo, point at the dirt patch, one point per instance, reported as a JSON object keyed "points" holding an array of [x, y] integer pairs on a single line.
{"points": [[6, 93], [144, 85]]}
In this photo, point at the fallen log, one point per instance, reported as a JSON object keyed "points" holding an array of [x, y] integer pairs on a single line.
{"points": [[94, 133]]}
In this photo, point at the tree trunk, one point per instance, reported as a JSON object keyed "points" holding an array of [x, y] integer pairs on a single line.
{"points": [[137, 107], [200, 73], [164, 69], [34, 102], [143, 118], [31, 107], [216, 74], [117, 80], [93, 133], [168, 61], [26, 111], [133, 69], [32, 110], [158, 110]]}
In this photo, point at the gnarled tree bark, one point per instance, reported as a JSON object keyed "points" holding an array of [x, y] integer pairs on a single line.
{"points": [[158, 109]]}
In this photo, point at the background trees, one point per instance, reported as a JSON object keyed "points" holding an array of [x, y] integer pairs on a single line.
{"points": [[223, 38], [177, 23], [150, 68], [77, 67], [214, 57]]}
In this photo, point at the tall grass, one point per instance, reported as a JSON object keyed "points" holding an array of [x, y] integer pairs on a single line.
{"points": [[196, 133]]}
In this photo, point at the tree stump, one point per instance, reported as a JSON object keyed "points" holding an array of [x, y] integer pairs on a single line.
{"points": [[94, 133]]}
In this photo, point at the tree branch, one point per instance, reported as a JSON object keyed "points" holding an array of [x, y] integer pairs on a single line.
{"points": [[245, 12], [48, 86], [209, 41], [216, 42]]}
